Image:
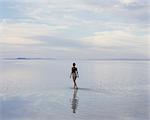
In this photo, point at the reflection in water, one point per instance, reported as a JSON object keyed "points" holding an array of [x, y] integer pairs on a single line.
{"points": [[74, 101]]}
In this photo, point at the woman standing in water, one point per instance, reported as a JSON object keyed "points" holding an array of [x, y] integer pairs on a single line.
{"points": [[74, 74]]}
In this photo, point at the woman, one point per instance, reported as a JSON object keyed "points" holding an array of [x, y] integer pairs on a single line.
{"points": [[74, 74]]}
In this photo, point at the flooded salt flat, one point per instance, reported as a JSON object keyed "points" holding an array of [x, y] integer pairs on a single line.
{"points": [[42, 90]]}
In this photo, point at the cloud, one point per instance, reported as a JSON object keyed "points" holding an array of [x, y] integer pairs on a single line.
{"points": [[114, 38], [128, 1], [21, 33], [59, 12], [53, 41], [74, 25], [120, 41]]}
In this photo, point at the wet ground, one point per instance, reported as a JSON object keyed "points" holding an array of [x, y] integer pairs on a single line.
{"points": [[42, 90]]}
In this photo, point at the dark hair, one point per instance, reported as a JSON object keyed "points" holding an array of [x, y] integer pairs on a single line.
{"points": [[74, 64]]}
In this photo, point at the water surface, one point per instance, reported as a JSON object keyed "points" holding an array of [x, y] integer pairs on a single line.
{"points": [[42, 90]]}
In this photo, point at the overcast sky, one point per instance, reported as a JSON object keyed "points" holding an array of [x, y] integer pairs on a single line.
{"points": [[75, 28]]}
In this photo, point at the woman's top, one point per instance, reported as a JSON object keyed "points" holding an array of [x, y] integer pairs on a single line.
{"points": [[74, 69]]}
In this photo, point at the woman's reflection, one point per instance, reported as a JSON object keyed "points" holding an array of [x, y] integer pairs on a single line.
{"points": [[74, 101]]}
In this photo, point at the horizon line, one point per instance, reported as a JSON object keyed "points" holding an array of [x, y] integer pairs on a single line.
{"points": [[88, 59]]}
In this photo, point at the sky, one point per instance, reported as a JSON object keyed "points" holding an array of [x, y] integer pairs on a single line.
{"points": [[93, 29]]}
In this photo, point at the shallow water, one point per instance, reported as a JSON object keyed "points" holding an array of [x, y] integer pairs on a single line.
{"points": [[42, 90]]}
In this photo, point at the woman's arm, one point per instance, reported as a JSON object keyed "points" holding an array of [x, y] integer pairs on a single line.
{"points": [[70, 73], [77, 73]]}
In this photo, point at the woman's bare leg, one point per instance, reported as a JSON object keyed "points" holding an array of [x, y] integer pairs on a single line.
{"points": [[76, 84], [74, 80]]}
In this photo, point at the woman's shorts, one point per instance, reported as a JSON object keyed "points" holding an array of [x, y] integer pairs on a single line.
{"points": [[74, 75]]}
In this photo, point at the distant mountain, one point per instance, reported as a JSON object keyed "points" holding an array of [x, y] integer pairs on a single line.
{"points": [[89, 59], [26, 58]]}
